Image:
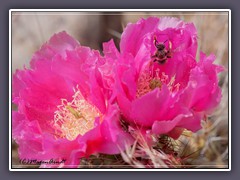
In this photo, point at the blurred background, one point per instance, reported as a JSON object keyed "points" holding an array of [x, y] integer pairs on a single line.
{"points": [[31, 29]]}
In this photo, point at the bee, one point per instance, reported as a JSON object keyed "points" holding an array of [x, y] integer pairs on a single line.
{"points": [[161, 55]]}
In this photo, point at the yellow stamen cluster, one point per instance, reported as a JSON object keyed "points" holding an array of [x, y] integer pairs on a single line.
{"points": [[75, 117], [148, 81]]}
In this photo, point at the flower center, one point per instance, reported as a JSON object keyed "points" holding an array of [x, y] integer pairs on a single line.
{"points": [[151, 79], [75, 117]]}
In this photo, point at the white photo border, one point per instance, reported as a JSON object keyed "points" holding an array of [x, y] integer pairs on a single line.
{"points": [[117, 10]]}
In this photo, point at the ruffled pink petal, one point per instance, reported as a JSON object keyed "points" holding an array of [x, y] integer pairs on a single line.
{"points": [[164, 127], [79, 67], [203, 92], [182, 70], [174, 127], [27, 135], [133, 35], [182, 35], [58, 44], [124, 89], [125, 105], [193, 122], [155, 105], [126, 79], [115, 136], [110, 50]]}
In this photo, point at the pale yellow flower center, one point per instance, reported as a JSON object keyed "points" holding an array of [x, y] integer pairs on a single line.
{"points": [[149, 80], [75, 117]]}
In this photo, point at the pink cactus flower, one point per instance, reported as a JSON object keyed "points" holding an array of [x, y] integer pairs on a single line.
{"points": [[63, 109], [160, 87]]}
